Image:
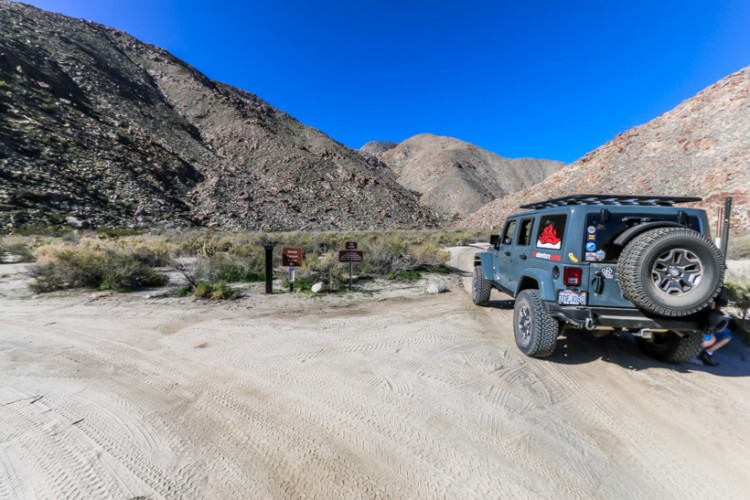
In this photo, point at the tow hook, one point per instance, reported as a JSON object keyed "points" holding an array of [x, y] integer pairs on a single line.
{"points": [[644, 333], [590, 323]]}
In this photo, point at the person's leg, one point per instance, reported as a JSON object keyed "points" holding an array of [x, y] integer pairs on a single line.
{"points": [[718, 340], [708, 340], [721, 339], [718, 345]]}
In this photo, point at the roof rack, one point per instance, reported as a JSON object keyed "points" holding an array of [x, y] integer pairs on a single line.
{"points": [[612, 199]]}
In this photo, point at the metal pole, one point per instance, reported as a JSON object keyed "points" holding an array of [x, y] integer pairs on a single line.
{"points": [[725, 230], [269, 268], [350, 276]]}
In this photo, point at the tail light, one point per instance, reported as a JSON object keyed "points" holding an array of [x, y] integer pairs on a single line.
{"points": [[572, 276]]}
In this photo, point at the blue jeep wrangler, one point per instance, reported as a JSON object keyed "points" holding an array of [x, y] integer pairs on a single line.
{"points": [[606, 263]]}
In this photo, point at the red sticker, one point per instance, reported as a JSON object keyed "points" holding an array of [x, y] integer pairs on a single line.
{"points": [[548, 238]]}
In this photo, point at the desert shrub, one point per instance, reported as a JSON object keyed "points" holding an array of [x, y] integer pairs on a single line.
{"points": [[324, 268], [739, 294], [386, 254], [15, 251], [64, 268], [391, 254], [229, 268], [739, 247], [125, 272], [428, 256], [208, 244], [154, 251], [215, 290]]}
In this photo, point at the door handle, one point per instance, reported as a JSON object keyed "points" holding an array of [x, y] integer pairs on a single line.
{"points": [[507, 253], [522, 256]]}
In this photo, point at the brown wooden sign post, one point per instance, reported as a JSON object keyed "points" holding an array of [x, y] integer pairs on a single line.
{"points": [[351, 255], [291, 257]]}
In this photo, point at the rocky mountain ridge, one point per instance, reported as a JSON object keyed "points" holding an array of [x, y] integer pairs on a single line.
{"points": [[455, 178], [699, 148], [99, 128]]}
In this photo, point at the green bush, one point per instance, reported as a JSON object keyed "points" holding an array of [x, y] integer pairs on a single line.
{"points": [[213, 290], [411, 275], [84, 268]]}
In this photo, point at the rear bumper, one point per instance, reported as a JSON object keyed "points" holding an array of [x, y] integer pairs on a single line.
{"points": [[593, 318]]}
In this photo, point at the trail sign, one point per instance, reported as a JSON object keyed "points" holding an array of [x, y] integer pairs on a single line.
{"points": [[351, 245], [351, 256], [291, 256]]}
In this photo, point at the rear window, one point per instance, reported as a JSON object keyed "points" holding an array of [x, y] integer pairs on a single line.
{"points": [[600, 235], [551, 232]]}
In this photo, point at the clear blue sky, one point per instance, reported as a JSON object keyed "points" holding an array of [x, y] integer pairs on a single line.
{"points": [[542, 79]]}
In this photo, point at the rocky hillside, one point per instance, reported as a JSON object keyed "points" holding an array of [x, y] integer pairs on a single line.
{"points": [[99, 128], [455, 178], [700, 148]]}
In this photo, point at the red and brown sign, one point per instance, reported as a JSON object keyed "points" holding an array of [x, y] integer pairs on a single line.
{"points": [[351, 245], [291, 256], [351, 256]]}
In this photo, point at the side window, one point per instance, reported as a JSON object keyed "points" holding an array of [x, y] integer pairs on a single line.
{"points": [[524, 233], [551, 232], [510, 230]]}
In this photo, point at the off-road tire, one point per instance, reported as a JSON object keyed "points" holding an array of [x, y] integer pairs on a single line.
{"points": [[534, 329], [480, 287], [672, 348], [670, 271]]}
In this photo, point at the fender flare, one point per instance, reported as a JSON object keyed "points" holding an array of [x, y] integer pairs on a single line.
{"points": [[539, 279]]}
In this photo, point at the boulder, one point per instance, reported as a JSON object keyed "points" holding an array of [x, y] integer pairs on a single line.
{"points": [[436, 288]]}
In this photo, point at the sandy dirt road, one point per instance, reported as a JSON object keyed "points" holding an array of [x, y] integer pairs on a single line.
{"points": [[376, 394]]}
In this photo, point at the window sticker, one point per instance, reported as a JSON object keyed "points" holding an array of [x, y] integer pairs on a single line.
{"points": [[551, 232]]}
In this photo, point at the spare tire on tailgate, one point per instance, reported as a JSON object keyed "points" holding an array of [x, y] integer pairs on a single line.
{"points": [[670, 271]]}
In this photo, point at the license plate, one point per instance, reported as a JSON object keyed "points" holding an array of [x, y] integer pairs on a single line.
{"points": [[571, 298]]}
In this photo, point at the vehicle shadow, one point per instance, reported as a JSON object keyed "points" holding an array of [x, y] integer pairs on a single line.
{"points": [[578, 347]]}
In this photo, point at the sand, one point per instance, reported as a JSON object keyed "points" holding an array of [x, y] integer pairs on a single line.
{"points": [[387, 392]]}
